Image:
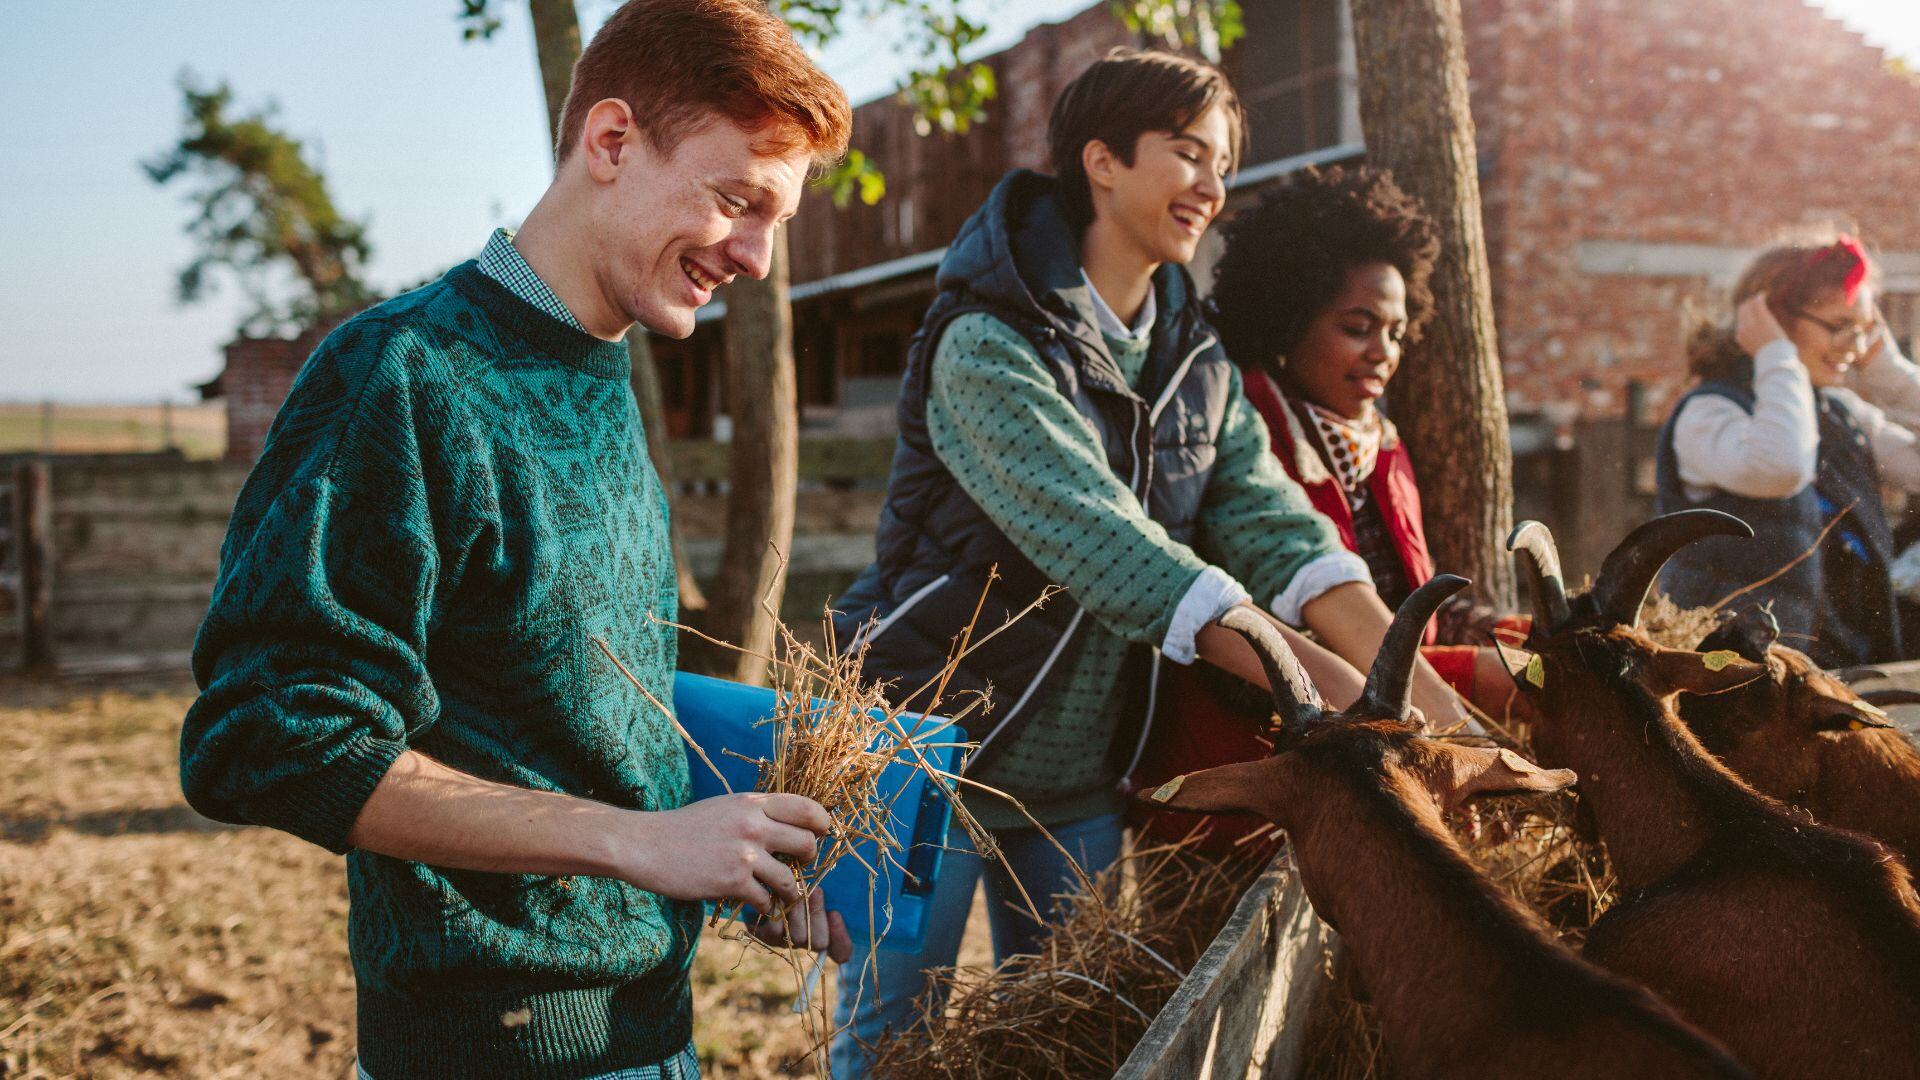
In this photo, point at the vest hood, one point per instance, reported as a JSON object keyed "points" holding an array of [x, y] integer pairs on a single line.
{"points": [[1018, 255]]}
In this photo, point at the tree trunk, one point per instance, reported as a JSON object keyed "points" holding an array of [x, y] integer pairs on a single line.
{"points": [[653, 418], [1453, 415], [556, 40], [762, 467]]}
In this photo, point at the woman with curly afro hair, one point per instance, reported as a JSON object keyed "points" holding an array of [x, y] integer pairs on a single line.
{"points": [[1320, 286]]}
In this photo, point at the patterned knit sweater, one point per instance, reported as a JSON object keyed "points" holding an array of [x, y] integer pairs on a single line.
{"points": [[454, 501]]}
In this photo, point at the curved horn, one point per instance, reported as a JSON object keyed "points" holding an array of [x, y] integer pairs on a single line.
{"points": [[1628, 573], [1863, 673], [1294, 695], [1389, 689], [1541, 564]]}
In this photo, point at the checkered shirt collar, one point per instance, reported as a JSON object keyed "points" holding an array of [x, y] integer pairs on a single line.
{"points": [[501, 261]]}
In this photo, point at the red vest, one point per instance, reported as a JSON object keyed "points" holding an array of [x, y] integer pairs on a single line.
{"points": [[1202, 731], [1392, 483]]}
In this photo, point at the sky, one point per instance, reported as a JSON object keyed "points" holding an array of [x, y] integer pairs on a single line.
{"points": [[434, 139]]}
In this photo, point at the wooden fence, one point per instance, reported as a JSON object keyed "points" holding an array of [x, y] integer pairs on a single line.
{"points": [[128, 544], [135, 538]]}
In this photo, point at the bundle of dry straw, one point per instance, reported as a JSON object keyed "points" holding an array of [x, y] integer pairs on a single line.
{"points": [[834, 735], [1115, 954]]}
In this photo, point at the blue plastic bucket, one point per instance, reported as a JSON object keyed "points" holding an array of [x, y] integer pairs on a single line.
{"points": [[723, 715]]}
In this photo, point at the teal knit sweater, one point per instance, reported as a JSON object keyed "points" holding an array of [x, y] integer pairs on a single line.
{"points": [[454, 501]]}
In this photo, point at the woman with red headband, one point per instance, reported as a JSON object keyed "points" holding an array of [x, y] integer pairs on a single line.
{"points": [[1788, 428]]}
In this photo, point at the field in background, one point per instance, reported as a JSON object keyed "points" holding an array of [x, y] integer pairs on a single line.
{"points": [[140, 939], [199, 431]]}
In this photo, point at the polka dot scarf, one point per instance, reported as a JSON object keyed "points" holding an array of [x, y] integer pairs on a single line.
{"points": [[1352, 446]]}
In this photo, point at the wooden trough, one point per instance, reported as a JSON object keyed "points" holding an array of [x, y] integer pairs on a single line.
{"points": [[1245, 1008]]}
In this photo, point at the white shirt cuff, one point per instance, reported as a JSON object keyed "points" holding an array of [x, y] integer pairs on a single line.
{"points": [[1211, 595], [1324, 573]]}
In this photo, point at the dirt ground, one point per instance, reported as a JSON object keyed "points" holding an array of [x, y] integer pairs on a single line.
{"points": [[140, 939]]}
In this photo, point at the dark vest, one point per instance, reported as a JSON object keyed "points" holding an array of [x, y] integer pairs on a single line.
{"points": [[1836, 604], [1017, 260]]}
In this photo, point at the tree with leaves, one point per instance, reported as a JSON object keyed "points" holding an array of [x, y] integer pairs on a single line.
{"points": [[264, 215]]}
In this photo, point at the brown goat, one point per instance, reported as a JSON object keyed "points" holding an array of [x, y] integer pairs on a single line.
{"points": [[1467, 982], [1801, 735], [1796, 944]]}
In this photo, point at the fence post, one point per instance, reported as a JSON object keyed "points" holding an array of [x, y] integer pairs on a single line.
{"points": [[33, 534]]}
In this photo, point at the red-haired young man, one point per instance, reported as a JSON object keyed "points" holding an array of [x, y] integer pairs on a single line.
{"points": [[454, 504]]}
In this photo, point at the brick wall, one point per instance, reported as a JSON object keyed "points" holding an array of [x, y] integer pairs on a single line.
{"points": [[1634, 152], [258, 374]]}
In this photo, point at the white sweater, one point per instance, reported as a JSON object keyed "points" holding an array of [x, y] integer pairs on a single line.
{"points": [[1772, 452]]}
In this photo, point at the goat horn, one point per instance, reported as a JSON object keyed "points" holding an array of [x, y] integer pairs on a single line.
{"points": [[1389, 689], [1892, 695], [1861, 673], [1627, 574], [1294, 696], [1541, 564]]}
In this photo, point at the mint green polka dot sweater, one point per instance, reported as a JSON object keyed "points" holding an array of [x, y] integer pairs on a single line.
{"points": [[1035, 466]]}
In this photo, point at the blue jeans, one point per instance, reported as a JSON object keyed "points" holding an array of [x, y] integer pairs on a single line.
{"points": [[887, 993]]}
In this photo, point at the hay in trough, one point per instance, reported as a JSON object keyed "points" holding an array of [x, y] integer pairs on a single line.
{"points": [[1113, 957]]}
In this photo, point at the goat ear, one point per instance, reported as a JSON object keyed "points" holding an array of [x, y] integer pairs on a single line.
{"points": [[1847, 711], [1243, 787], [1479, 770], [1700, 672], [1750, 633], [1852, 716], [1527, 670]]}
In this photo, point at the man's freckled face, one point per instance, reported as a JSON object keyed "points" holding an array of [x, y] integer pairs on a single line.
{"points": [[693, 219]]}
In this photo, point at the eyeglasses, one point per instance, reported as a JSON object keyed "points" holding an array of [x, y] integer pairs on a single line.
{"points": [[1852, 336]]}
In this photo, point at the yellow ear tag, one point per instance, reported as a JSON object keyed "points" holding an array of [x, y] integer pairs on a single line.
{"points": [[1165, 792], [1537, 671], [1718, 659]]}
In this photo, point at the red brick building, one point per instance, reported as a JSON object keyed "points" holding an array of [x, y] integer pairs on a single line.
{"points": [[255, 380], [1633, 154]]}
